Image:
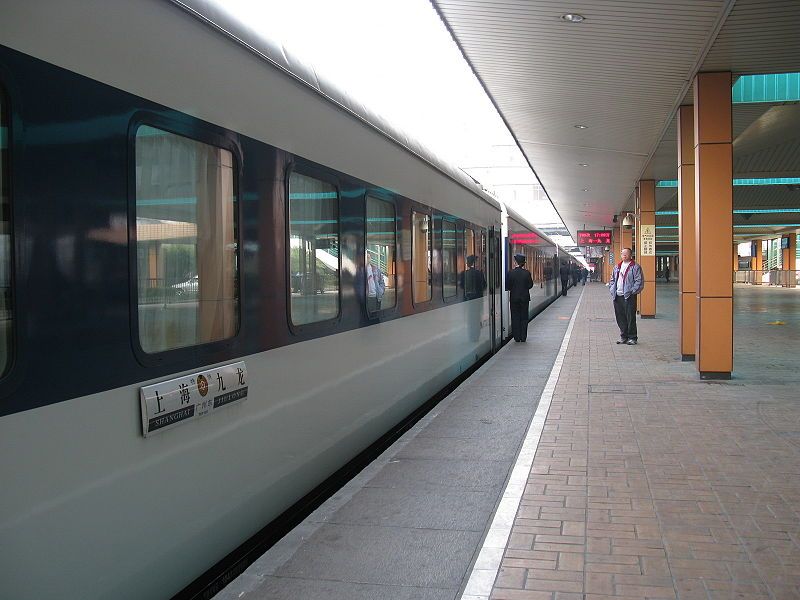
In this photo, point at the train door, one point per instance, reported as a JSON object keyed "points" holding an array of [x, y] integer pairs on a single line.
{"points": [[495, 288]]}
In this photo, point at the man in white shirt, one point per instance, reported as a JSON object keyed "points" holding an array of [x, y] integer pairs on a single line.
{"points": [[627, 281], [376, 286]]}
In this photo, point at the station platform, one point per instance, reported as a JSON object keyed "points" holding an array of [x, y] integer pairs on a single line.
{"points": [[571, 468]]}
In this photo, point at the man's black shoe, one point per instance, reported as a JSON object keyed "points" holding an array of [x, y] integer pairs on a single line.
{"points": [[631, 342], [622, 341]]}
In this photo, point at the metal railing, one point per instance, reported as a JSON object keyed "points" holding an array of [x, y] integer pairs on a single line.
{"points": [[774, 277]]}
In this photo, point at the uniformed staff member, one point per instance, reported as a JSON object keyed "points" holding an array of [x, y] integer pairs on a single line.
{"points": [[518, 282]]}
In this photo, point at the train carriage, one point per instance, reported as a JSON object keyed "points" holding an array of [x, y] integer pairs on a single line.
{"points": [[187, 207]]}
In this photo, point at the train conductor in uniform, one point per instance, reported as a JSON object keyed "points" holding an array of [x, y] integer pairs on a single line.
{"points": [[518, 282]]}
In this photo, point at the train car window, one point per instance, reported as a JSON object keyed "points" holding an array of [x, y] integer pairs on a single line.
{"points": [[313, 249], [381, 243], [6, 314], [186, 241], [421, 256], [449, 259]]}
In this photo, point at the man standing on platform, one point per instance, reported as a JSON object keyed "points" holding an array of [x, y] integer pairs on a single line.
{"points": [[518, 282], [626, 283], [563, 272]]}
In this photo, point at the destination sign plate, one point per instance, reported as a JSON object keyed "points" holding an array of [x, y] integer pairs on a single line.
{"points": [[171, 403]]}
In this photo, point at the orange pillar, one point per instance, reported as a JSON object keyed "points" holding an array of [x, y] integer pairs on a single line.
{"points": [[646, 246], [687, 310], [735, 257], [713, 198], [616, 247], [758, 263], [790, 260]]}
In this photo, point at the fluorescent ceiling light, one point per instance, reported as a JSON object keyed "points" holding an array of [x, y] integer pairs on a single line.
{"points": [[573, 18]]}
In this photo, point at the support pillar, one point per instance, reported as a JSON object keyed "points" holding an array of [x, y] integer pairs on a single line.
{"points": [[713, 157], [758, 262], [646, 246], [735, 257], [686, 233], [790, 260]]}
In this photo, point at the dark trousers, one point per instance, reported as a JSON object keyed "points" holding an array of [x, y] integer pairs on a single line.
{"points": [[564, 283], [625, 311], [519, 321], [373, 304]]}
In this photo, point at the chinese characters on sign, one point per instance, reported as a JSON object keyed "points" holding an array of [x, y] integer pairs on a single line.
{"points": [[594, 238], [169, 403], [648, 240]]}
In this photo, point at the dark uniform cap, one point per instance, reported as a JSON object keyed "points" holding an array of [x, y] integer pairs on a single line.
{"points": [[520, 258]]}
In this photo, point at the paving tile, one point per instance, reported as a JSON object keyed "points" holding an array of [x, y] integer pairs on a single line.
{"points": [[424, 509], [684, 489], [430, 558], [283, 588]]}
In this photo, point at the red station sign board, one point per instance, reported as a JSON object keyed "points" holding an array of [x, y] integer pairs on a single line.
{"points": [[594, 238]]}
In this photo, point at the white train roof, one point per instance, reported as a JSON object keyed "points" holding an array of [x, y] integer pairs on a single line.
{"points": [[215, 14]]}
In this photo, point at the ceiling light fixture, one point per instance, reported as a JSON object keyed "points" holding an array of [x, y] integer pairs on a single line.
{"points": [[583, 165], [585, 189], [573, 18], [581, 127]]}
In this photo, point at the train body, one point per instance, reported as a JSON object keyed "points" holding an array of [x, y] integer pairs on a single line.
{"points": [[175, 202]]}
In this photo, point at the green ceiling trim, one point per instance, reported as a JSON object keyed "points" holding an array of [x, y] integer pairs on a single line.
{"points": [[777, 87], [673, 183]]}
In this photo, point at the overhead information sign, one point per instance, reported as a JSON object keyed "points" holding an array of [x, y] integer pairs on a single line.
{"points": [[593, 238], [170, 403], [648, 238]]}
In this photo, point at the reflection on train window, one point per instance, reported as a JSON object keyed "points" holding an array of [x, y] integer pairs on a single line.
{"points": [[449, 259], [6, 315], [421, 256], [313, 249], [380, 249], [186, 241], [469, 242]]}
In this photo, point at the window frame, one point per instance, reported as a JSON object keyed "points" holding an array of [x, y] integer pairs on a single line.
{"points": [[422, 209], [11, 375], [454, 222], [308, 169], [391, 200], [204, 133]]}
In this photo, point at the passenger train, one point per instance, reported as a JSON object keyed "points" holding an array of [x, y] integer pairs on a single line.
{"points": [[223, 279]]}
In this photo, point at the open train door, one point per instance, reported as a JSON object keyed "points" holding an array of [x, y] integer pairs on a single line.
{"points": [[495, 288]]}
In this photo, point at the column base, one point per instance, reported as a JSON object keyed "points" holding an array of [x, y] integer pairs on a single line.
{"points": [[648, 316], [687, 357], [715, 375]]}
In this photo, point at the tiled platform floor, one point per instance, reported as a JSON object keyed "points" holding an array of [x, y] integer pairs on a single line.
{"points": [[649, 483]]}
